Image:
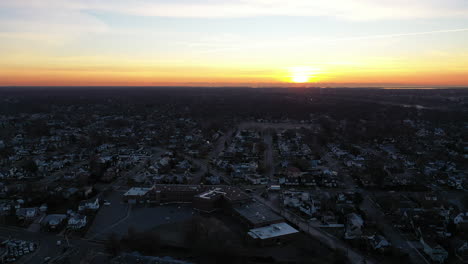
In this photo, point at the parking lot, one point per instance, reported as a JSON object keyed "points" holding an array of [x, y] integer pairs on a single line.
{"points": [[118, 217]]}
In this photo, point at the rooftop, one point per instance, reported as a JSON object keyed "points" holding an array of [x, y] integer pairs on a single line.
{"points": [[257, 213], [211, 194], [137, 191], [271, 231]]}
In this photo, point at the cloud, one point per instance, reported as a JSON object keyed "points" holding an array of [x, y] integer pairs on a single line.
{"points": [[398, 35], [343, 9], [34, 24]]}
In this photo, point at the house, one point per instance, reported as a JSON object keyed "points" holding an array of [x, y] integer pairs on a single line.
{"points": [[3, 254], [92, 205], [256, 179], [87, 191], [378, 242], [330, 219], [27, 213], [69, 192], [354, 224], [77, 221], [184, 165], [213, 179], [435, 251], [274, 188], [462, 252], [53, 221], [6, 207], [302, 201], [43, 208], [461, 218]]}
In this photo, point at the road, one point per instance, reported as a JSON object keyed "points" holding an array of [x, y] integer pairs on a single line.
{"points": [[327, 239], [391, 233], [268, 155], [274, 204]]}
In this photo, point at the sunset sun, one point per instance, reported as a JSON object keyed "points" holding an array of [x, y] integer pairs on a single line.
{"points": [[301, 74], [300, 78]]}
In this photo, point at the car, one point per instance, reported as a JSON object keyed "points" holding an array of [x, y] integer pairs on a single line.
{"points": [[106, 203]]}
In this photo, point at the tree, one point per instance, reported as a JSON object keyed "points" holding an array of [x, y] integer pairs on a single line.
{"points": [[261, 147], [302, 164], [358, 198], [147, 243], [113, 245], [375, 167], [96, 168], [29, 165], [339, 257], [210, 237], [464, 201]]}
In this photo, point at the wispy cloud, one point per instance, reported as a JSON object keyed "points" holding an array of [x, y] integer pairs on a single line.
{"points": [[346, 9], [226, 42], [64, 20], [397, 35]]}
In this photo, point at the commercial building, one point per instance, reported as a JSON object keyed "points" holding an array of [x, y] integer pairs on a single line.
{"points": [[255, 214], [272, 234]]}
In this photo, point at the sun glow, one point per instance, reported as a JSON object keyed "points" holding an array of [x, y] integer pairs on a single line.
{"points": [[301, 74], [300, 78]]}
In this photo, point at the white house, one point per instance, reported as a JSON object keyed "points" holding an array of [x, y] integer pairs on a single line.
{"points": [[77, 221], [92, 204], [379, 242], [461, 218], [27, 213]]}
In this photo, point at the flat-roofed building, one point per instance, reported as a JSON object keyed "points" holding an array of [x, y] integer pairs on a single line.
{"points": [[208, 201], [203, 196], [255, 214], [137, 194], [272, 234], [171, 193]]}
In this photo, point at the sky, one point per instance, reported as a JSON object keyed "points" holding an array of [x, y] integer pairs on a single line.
{"points": [[233, 42]]}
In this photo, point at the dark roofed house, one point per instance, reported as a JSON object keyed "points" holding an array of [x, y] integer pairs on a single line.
{"points": [[27, 213], [462, 252], [435, 251], [53, 222]]}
